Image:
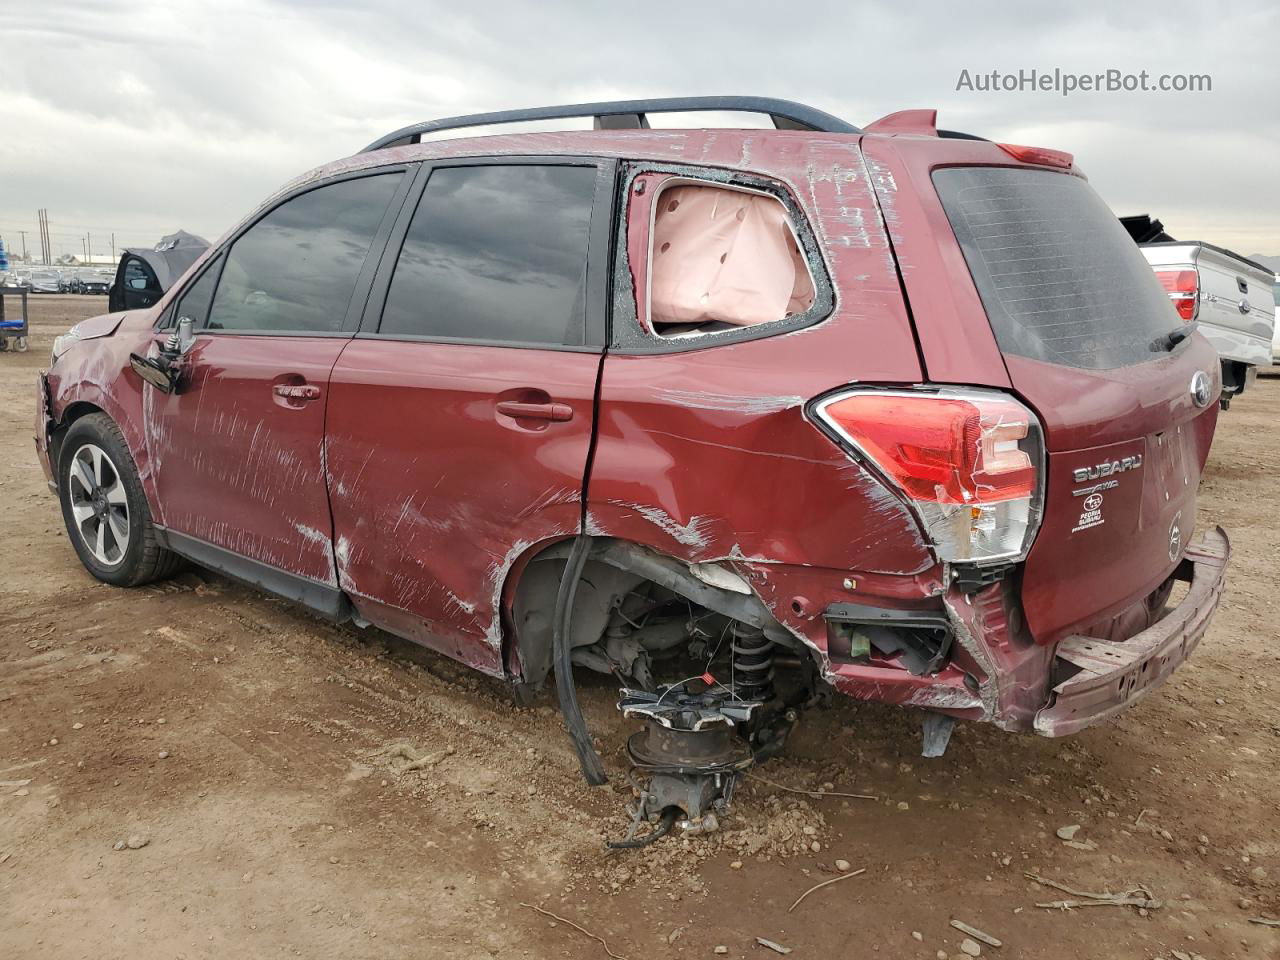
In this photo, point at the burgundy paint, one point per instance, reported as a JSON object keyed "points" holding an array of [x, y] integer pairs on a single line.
{"points": [[103, 326], [708, 454], [1092, 417], [955, 336], [1114, 675], [439, 498], [436, 492], [922, 123], [237, 464], [97, 374]]}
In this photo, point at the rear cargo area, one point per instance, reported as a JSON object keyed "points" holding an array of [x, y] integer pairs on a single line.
{"points": [[1081, 327]]}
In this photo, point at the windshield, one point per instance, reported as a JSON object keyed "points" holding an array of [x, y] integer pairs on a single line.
{"points": [[1060, 278]]}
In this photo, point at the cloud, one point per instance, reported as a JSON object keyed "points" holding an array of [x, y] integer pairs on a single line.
{"points": [[139, 117]]}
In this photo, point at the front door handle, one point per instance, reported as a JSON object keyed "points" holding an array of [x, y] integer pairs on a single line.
{"points": [[296, 391], [558, 412]]}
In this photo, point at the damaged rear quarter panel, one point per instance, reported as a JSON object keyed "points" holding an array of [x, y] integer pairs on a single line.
{"points": [[706, 454]]}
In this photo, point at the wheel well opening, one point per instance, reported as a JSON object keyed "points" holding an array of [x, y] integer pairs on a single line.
{"points": [[637, 614], [58, 431]]}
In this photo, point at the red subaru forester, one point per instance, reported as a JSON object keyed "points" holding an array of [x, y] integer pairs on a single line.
{"points": [[735, 415]]}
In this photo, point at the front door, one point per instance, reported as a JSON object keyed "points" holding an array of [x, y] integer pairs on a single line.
{"points": [[237, 448], [460, 419]]}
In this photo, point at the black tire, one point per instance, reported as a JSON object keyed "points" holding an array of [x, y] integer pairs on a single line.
{"points": [[142, 560]]}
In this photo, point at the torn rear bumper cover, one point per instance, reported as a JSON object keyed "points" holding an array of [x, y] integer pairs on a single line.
{"points": [[1114, 675]]}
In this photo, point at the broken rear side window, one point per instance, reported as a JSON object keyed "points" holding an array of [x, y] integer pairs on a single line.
{"points": [[722, 258], [1060, 278]]}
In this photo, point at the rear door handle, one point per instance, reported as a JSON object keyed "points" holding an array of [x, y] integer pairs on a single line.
{"points": [[558, 412], [297, 391]]}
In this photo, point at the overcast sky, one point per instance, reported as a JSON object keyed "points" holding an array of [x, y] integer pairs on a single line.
{"points": [[139, 117]]}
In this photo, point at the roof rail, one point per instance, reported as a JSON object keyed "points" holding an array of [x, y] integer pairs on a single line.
{"points": [[630, 115]]}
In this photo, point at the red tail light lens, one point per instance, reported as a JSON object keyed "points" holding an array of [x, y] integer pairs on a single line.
{"points": [[968, 460], [1041, 155], [1183, 287]]}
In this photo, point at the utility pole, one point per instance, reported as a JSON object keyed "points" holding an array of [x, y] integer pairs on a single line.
{"points": [[23, 234], [46, 247], [113, 248]]}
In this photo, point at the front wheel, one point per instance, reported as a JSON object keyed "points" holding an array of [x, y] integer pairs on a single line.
{"points": [[104, 508]]}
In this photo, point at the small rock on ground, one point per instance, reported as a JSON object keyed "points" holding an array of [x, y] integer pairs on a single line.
{"points": [[970, 947]]}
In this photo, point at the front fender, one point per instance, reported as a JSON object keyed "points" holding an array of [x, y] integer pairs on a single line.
{"points": [[96, 373]]}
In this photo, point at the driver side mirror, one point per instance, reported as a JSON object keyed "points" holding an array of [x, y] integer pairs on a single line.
{"points": [[154, 371]]}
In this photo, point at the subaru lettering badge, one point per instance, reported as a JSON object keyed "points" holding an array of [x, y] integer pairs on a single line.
{"points": [[1201, 389]]}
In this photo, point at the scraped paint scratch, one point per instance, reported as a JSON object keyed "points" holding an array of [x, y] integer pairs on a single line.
{"points": [[498, 578], [691, 534], [705, 400], [311, 534]]}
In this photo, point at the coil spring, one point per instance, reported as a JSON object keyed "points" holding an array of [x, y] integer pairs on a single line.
{"points": [[752, 663]]}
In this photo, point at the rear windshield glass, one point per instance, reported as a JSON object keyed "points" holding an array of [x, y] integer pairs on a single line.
{"points": [[1060, 278]]}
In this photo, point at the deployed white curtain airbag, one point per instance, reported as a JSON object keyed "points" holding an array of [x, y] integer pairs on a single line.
{"points": [[724, 255]]}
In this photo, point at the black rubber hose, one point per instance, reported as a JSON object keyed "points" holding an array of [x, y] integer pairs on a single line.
{"points": [[588, 759], [661, 830]]}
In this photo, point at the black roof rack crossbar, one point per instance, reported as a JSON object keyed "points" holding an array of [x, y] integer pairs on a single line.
{"points": [[630, 115]]}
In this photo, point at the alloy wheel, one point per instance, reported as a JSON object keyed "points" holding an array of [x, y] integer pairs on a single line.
{"points": [[99, 504]]}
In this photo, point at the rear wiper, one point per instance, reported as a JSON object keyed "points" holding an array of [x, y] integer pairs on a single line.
{"points": [[1174, 337]]}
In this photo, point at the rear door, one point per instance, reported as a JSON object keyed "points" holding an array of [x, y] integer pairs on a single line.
{"points": [[237, 449], [460, 418], [1082, 324]]}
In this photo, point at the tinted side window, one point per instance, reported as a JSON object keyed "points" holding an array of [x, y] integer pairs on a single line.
{"points": [[296, 268], [194, 301], [496, 253]]}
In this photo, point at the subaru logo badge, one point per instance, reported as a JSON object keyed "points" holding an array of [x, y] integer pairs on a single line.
{"points": [[1201, 389]]}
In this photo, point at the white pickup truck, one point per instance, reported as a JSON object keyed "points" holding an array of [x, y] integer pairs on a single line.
{"points": [[1231, 298], [1275, 336]]}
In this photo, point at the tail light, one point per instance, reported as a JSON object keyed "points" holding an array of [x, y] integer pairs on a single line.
{"points": [[970, 462], [1183, 287], [1041, 155]]}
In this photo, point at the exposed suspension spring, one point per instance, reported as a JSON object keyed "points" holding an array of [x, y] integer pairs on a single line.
{"points": [[752, 663]]}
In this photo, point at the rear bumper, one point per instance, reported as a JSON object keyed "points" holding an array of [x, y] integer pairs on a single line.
{"points": [[1114, 675], [1236, 344]]}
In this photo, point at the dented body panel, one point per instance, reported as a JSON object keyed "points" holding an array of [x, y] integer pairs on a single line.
{"points": [[1114, 675], [410, 483], [437, 496], [95, 375]]}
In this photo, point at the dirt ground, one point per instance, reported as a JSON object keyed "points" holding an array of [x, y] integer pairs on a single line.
{"points": [[247, 743]]}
